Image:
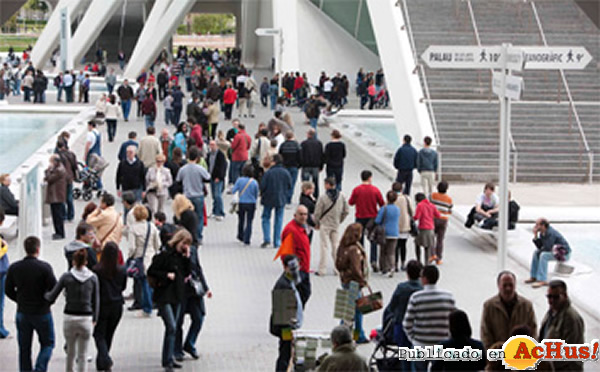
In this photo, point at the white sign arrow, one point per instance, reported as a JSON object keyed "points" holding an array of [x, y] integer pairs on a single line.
{"points": [[267, 31], [471, 57], [514, 85], [550, 58]]}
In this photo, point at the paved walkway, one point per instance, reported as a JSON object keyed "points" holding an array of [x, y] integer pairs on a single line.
{"points": [[235, 334]]}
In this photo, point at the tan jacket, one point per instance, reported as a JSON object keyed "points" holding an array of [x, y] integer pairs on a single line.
{"points": [[212, 113], [403, 202], [103, 221], [335, 216], [149, 148], [566, 325], [261, 152], [136, 236], [495, 324]]}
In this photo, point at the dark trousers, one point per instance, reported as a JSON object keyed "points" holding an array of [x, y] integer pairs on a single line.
{"points": [[245, 218], [169, 314], [70, 215], [312, 174], [401, 252], [440, 233], [405, 177], [111, 128], [285, 354], [195, 307], [108, 320], [336, 173], [44, 327], [364, 222], [304, 288], [162, 91], [213, 130], [264, 99], [176, 114], [137, 294], [58, 218], [228, 109]]}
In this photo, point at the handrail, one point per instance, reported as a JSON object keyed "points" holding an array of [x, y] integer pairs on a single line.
{"points": [[513, 146], [570, 97], [421, 69]]}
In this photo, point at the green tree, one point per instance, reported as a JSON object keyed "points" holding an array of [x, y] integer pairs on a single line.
{"points": [[214, 24]]}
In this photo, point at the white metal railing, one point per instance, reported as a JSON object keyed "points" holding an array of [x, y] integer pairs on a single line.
{"points": [[421, 70], [572, 107], [513, 146]]}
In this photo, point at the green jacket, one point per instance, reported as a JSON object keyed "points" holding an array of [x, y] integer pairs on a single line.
{"points": [[344, 359], [566, 325]]}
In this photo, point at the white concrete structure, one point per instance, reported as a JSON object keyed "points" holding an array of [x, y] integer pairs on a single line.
{"points": [[398, 63]]}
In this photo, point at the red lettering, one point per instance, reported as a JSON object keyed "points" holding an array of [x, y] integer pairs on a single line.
{"points": [[571, 352], [522, 350], [553, 348], [595, 353], [537, 352], [584, 352]]}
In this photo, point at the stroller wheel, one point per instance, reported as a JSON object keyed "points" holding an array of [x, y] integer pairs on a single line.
{"points": [[87, 195], [76, 193]]}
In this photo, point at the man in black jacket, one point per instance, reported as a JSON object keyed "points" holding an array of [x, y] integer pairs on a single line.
{"points": [[282, 328], [217, 167], [311, 159], [290, 151], [131, 174], [26, 283], [162, 79]]}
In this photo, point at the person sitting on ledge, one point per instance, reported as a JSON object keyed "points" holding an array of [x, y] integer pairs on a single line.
{"points": [[551, 246], [7, 198], [513, 216], [487, 206]]}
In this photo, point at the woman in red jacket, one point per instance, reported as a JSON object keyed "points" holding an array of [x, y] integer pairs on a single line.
{"points": [[229, 98]]}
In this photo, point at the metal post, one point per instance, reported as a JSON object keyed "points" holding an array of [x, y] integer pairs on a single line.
{"points": [[515, 166], [279, 64], [504, 165]]}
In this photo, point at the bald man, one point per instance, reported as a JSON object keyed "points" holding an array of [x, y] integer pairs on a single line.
{"points": [[297, 228]]}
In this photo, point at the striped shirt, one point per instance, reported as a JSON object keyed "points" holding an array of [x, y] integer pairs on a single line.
{"points": [[426, 319], [443, 203]]}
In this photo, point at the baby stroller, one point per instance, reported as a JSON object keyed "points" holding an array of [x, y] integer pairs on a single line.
{"points": [[385, 354], [88, 176], [382, 99]]}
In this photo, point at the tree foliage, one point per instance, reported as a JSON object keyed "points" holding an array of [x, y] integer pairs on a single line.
{"points": [[203, 24]]}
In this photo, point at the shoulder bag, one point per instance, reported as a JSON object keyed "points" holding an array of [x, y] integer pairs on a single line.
{"points": [[135, 266], [197, 286], [377, 233], [370, 302], [330, 207]]}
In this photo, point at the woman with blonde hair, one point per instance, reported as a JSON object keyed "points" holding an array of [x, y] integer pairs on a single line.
{"points": [[184, 215], [7, 199], [144, 243], [351, 263], [158, 181]]}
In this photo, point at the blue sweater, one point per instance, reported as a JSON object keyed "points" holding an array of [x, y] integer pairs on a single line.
{"points": [[274, 186], [427, 160], [251, 194], [392, 216]]}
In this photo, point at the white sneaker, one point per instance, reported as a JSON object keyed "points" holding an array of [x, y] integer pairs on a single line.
{"points": [[219, 218]]}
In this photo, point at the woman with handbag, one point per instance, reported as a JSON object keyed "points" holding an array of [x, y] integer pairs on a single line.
{"points": [[168, 274], [112, 279], [144, 243], [193, 304], [158, 181], [351, 263], [404, 225], [184, 216], [388, 217], [246, 204]]}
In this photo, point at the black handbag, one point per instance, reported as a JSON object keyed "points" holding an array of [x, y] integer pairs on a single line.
{"points": [[377, 233], [197, 287], [135, 266]]}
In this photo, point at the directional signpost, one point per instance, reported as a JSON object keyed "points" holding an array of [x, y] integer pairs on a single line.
{"points": [[506, 58], [278, 33]]}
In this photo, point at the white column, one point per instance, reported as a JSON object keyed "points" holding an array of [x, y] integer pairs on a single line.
{"points": [[49, 37], [398, 64], [95, 19], [285, 17], [158, 29]]}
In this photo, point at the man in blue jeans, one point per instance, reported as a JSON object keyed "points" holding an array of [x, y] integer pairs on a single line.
{"points": [[26, 283], [217, 167], [193, 176], [274, 187], [545, 237]]}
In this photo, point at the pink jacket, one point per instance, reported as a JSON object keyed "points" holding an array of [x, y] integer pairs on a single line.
{"points": [[240, 146], [425, 213]]}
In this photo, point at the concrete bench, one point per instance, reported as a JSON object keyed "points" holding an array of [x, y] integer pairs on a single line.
{"points": [[10, 226]]}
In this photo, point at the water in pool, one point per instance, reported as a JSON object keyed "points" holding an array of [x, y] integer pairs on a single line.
{"points": [[382, 131], [22, 134]]}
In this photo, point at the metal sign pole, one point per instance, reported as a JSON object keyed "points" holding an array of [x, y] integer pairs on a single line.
{"points": [[504, 165], [279, 61]]}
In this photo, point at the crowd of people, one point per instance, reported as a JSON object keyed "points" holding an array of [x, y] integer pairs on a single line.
{"points": [[197, 159]]}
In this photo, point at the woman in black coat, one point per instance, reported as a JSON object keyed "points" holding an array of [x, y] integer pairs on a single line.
{"points": [[112, 279], [168, 275]]}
